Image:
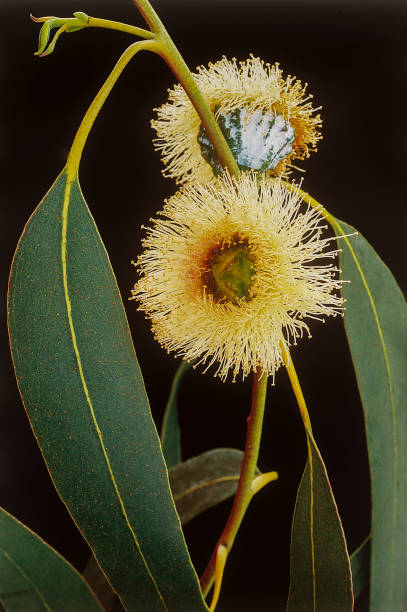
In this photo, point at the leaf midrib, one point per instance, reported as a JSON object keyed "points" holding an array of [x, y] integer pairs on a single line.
{"points": [[311, 482], [200, 486], [65, 210]]}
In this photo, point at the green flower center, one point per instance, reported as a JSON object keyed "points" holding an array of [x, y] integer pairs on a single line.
{"points": [[230, 273]]}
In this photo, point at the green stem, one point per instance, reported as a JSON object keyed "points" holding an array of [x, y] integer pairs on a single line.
{"points": [[244, 491], [176, 63], [308, 199], [95, 22], [295, 383], [92, 112]]}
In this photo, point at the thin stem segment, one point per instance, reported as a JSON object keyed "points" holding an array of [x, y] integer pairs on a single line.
{"points": [[95, 22], [177, 65], [244, 491], [308, 199], [92, 112], [79, 21], [295, 383]]}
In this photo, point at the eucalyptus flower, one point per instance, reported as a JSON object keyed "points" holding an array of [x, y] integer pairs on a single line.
{"points": [[268, 121], [231, 268]]}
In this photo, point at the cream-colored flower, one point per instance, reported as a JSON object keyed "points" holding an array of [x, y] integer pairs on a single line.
{"points": [[268, 121], [231, 268]]}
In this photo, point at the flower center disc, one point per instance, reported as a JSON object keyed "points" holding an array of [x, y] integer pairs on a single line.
{"points": [[230, 274]]}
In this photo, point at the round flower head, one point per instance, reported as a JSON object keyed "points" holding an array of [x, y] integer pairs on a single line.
{"points": [[267, 121], [229, 271]]}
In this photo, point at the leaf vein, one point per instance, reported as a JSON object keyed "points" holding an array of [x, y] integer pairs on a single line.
{"points": [[65, 208], [203, 485], [24, 575]]}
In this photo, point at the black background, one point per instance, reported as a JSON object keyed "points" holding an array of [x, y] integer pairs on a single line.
{"points": [[354, 57]]}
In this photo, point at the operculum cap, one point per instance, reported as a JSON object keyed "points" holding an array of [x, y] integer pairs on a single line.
{"points": [[258, 141]]}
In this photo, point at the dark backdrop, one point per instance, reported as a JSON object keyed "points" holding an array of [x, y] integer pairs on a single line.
{"points": [[354, 57]]}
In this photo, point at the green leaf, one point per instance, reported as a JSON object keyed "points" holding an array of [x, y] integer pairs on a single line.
{"points": [[360, 560], [170, 431], [83, 390], [34, 577], [321, 578], [197, 484], [376, 327], [205, 481]]}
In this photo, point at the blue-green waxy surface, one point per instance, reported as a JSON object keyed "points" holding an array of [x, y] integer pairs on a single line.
{"points": [[258, 141]]}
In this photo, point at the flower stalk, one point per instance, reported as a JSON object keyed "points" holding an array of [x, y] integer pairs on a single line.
{"points": [[244, 491], [295, 383]]}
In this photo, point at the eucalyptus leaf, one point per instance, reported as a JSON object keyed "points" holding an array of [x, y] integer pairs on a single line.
{"points": [[170, 431], [197, 484], [205, 481], [376, 328], [34, 577], [83, 391], [321, 578], [360, 561]]}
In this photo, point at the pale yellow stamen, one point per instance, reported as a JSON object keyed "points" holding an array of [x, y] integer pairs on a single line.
{"points": [[227, 85], [293, 280]]}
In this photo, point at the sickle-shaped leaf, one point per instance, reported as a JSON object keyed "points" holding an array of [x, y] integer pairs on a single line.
{"points": [[376, 327], [321, 578], [34, 577], [82, 388]]}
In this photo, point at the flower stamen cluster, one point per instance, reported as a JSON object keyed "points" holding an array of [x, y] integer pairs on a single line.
{"points": [[229, 273], [268, 121]]}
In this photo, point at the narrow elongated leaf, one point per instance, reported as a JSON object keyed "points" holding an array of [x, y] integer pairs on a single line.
{"points": [[360, 562], [34, 577], [321, 578], [170, 431], [376, 327], [205, 480], [82, 387]]}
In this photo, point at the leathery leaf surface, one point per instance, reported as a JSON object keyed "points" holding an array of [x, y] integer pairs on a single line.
{"points": [[83, 390], [376, 328], [34, 577], [321, 579]]}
